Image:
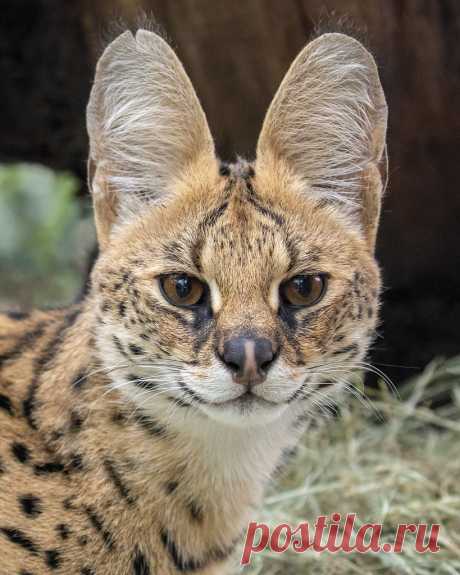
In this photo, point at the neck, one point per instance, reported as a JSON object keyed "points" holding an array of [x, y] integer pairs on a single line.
{"points": [[187, 473]]}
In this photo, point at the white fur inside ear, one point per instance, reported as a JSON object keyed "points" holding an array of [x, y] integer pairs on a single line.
{"points": [[328, 119], [144, 119]]}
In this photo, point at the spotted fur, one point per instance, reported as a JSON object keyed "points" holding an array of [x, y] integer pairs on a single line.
{"points": [[126, 445]]}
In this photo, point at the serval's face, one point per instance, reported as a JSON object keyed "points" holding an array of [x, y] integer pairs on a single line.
{"points": [[240, 292]]}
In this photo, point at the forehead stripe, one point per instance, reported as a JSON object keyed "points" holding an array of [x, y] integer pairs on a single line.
{"points": [[264, 210], [277, 218], [213, 216]]}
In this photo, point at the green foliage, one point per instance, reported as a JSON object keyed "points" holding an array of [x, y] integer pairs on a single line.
{"points": [[44, 236]]}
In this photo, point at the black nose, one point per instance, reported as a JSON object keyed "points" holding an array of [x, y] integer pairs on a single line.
{"points": [[248, 358]]}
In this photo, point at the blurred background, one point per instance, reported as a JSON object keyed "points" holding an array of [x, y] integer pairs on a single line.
{"points": [[236, 53]]}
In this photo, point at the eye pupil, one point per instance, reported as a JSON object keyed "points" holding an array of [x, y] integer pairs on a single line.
{"points": [[302, 285], [183, 287]]}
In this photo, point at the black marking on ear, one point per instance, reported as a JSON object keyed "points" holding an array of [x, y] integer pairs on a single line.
{"points": [[43, 362], [140, 564], [98, 525], [87, 571], [49, 467], [30, 505], [18, 315], [118, 482], [63, 530], [152, 427], [18, 537], [20, 452], [5, 403], [23, 343], [53, 558]]}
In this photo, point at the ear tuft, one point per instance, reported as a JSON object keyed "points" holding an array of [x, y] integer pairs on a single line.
{"points": [[328, 119]]}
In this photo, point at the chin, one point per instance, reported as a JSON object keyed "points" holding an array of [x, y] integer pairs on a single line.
{"points": [[245, 412]]}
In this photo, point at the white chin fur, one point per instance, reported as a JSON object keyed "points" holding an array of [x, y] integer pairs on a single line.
{"points": [[235, 415]]}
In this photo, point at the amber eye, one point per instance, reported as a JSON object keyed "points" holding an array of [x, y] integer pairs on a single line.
{"points": [[304, 290], [182, 289]]}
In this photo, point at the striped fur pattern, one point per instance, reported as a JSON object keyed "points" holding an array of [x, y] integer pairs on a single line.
{"points": [[126, 445]]}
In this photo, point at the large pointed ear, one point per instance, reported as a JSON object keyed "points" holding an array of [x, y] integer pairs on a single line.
{"points": [[327, 122], [145, 125]]}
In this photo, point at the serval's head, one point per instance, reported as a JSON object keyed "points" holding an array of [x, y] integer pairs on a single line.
{"points": [[235, 292]]}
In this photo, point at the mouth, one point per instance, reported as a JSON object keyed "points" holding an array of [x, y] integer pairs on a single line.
{"points": [[245, 410], [246, 402]]}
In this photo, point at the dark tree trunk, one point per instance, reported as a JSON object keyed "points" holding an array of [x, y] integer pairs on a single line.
{"points": [[236, 54]]}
